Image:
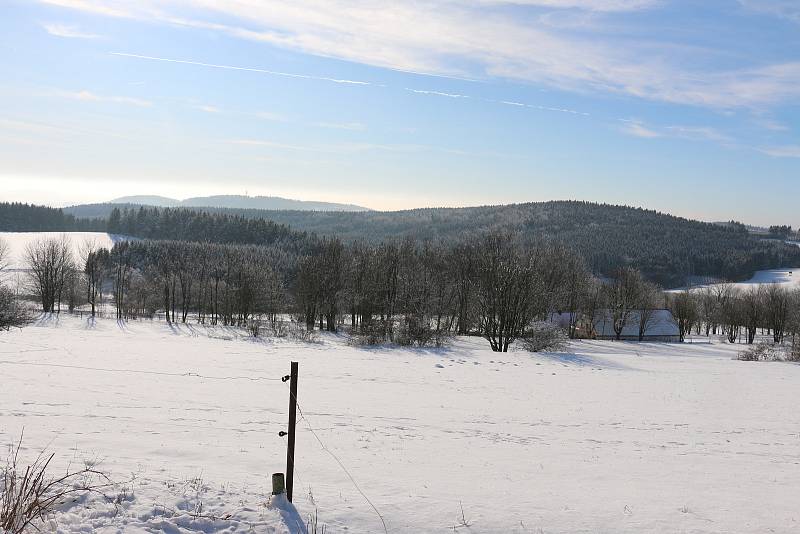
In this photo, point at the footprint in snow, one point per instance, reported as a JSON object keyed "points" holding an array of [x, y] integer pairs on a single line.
{"points": [[440, 366]]}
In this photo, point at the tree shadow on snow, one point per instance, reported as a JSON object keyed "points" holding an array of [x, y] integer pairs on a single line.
{"points": [[582, 360]]}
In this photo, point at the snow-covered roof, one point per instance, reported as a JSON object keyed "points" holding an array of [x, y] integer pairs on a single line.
{"points": [[661, 324]]}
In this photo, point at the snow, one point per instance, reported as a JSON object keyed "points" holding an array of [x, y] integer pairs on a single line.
{"points": [[19, 241], [788, 277], [607, 437]]}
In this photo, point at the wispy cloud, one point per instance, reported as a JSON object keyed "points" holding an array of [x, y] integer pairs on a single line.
{"points": [[269, 144], [436, 93], [477, 40], [787, 151], [68, 31], [247, 69], [88, 96], [348, 147], [589, 5], [207, 108], [770, 124], [698, 133], [787, 9], [270, 116], [541, 108], [638, 128], [354, 126]]}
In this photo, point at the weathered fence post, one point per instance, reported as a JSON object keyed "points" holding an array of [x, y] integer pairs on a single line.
{"points": [[292, 427], [278, 484]]}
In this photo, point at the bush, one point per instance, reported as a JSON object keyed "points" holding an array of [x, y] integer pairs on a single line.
{"points": [[417, 331], [278, 328], [544, 337], [254, 327], [299, 332], [765, 351], [28, 494], [13, 314], [793, 352], [367, 335]]}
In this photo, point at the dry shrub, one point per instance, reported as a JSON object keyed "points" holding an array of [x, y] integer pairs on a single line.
{"points": [[367, 335], [544, 337], [765, 351], [29, 494], [13, 313], [299, 332], [415, 331]]}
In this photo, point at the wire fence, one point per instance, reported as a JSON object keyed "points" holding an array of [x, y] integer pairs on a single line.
{"points": [[191, 374]]}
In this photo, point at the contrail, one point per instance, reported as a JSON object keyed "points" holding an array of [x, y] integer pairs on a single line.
{"points": [[345, 81], [247, 69]]}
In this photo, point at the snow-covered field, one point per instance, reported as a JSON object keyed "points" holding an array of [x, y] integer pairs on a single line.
{"points": [[610, 437], [788, 277], [19, 241]]}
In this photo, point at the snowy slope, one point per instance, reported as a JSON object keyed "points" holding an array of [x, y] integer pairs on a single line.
{"points": [[610, 437], [786, 276], [19, 241]]}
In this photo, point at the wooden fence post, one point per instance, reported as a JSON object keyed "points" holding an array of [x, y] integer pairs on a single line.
{"points": [[292, 428]]}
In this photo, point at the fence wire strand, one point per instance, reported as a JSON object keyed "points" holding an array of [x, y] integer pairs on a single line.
{"points": [[338, 461], [143, 372]]}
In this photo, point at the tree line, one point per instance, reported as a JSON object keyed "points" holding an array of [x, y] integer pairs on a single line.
{"points": [[407, 292], [20, 217]]}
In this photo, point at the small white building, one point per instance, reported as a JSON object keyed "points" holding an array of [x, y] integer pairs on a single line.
{"points": [[661, 327]]}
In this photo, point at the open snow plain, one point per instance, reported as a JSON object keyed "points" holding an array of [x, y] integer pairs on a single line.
{"points": [[609, 437]]}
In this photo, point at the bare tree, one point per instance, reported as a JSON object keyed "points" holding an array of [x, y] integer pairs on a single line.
{"points": [[504, 276], [777, 309], [752, 307], [49, 261], [95, 266], [648, 303], [623, 295], [731, 315], [683, 306], [4, 257]]}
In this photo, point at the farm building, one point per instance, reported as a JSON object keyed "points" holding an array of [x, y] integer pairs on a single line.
{"points": [[661, 327]]}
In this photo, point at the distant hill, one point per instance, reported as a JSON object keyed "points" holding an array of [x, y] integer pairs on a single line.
{"points": [[667, 249], [229, 201], [147, 200]]}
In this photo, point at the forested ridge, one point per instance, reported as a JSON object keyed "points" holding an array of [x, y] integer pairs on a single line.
{"points": [[667, 249], [19, 217]]}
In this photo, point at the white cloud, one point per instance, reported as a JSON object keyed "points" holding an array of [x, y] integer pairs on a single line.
{"points": [[354, 126], [787, 151], [698, 133], [248, 69], [88, 96], [540, 108], [787, 9], [269, 116], [465, 38], [347, 148], [436, 93], [588, 5], [65, 30], [207, 108], [638, 128]]}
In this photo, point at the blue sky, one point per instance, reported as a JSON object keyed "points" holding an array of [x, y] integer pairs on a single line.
{"points": [[683, 106]]}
